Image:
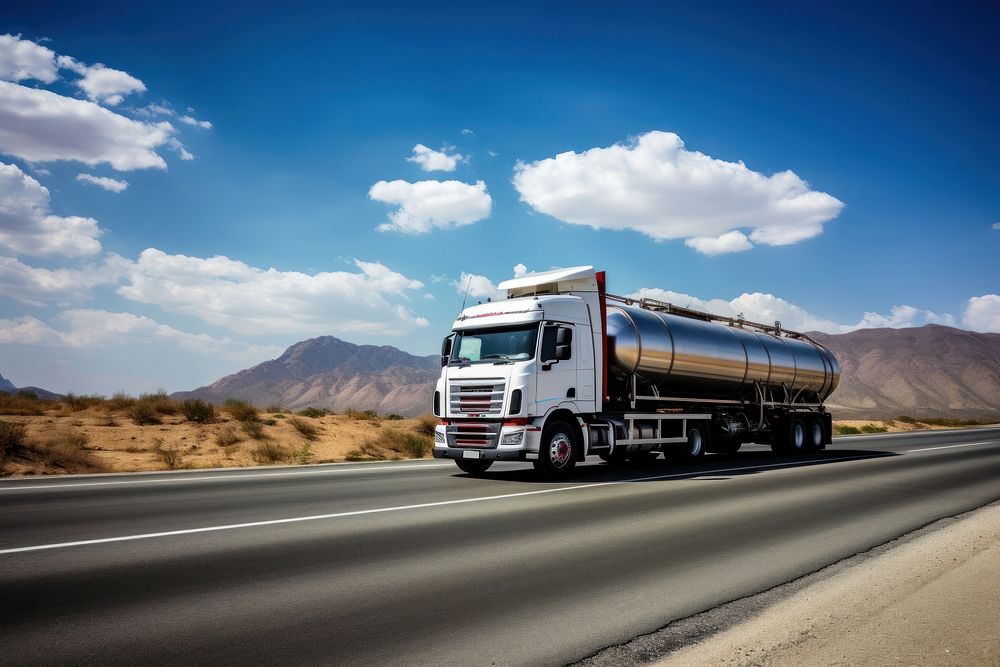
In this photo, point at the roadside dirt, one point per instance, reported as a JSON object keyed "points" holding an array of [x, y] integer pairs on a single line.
{"points": [[934, 600]]}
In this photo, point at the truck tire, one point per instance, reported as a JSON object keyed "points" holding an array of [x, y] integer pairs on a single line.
{"points": [[814, 435], [474, 467], [555, 452], [798, 435], [697, 443]]}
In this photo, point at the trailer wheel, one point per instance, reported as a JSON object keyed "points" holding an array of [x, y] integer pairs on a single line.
{"points": [[555, 453], [474, 467], [697, 443], [814, 435], [798, 435]]}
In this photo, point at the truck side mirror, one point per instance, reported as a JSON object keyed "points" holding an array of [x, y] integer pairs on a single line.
{"points": [[446, 350], [564, 336], [562, 352]]}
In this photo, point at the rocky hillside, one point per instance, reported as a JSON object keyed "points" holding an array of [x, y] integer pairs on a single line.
{"points": [[327, 372], [930, 371]]}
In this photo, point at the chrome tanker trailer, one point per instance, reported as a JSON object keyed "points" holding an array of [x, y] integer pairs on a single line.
{"points": [[561, 370]]}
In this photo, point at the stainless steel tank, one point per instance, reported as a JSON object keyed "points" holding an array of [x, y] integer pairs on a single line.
{"points": [[688, 357]]}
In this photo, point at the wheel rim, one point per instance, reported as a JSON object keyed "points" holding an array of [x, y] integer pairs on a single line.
{"points": [[817, 432], [798, 436], [694, 442], [560, 450]]}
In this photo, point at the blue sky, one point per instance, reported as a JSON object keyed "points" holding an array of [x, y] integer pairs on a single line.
{"points": [[674, 126]]}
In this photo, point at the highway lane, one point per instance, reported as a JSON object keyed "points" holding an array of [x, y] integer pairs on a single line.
{"points": [[417, 563]]}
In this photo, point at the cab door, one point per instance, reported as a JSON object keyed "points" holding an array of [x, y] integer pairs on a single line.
{"points": [[557, 363]]}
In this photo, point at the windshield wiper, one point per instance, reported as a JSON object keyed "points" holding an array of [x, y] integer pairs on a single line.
{"points": [[504, 359], [460, 361]]}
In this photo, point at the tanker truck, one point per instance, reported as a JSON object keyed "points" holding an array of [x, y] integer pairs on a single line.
{"points": [[560, 370]]}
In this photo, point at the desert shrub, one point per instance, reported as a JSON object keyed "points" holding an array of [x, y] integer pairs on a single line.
{"points": [[120, 401], [949, 421], [394, 443], [144, 414], [416, 446], [16, 404], [426, 423], [253, 428], [227, 437], [108, 420], [27, 393], [873, 428], [274, 409], [76, 403], [171, 457], [241, 411], [364, 415], [66, 449], [160, 402], [197, 410], [278, 415], [312, 412], [368, 451], [268, 451], [392, 416], [842, 429], [906, 420], [11, 438], [309, 431], [304, 455], [270, 422]]}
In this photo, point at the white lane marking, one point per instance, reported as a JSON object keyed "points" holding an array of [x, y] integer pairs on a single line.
{"points": [[440, 503], [964, 444], [236, 476]]}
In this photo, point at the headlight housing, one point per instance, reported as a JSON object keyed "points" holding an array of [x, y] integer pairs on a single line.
{"points": [[514, 438], [439, 436]]}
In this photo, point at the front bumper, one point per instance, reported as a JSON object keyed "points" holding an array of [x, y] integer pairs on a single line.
{"points": [[484, 454]]}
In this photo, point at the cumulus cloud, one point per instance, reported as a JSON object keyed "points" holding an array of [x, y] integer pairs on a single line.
{"points": [[768, 308], [243, 298], [103, 182], [468, 132], [996, 225], [426, 205], [38, 286], [22, 59], [432, 160], [28, 227], [102, 83], [26, 330], [40, 126], [729, 242], [655, 186], [982, 313], [191, 120]]}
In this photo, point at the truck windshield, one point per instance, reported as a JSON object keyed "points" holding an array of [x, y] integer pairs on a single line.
{"points": [[483, 346]]}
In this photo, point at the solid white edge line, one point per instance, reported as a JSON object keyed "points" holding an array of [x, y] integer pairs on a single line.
{"points": [[964, 444], [201, 478], [380, 510]]}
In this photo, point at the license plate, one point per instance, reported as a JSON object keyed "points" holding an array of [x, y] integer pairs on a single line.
{"points": [[470, 454]]}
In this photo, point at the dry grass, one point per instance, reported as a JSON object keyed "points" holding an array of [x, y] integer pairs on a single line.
{"points": [[23, 404], [268, 451], [65, 450], [12, 437], [253, 428], [241, 410], [308, 430], [171, 457], [228, 437], [394, 443], [197, 410], [426, 423], [143, 414]]}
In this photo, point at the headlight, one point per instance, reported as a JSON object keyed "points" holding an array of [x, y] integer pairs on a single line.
{"points": [[512, 438], [438, 436]]}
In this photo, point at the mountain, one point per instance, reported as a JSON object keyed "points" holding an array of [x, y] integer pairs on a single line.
{"points": [[327, 372], [6, 385], [929, 371]]}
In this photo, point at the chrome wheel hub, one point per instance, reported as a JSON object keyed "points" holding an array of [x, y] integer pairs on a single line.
{"points": [[560, 450]]}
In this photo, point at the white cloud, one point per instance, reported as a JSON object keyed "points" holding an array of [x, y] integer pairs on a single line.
{"points": [[26, 330], [432, 160], [41, 126], [22, 59], [109, 184], [243, 298], [996, 225], [655, 186], [982, 313], [468, 132], [733, 241], [28, 227], [425, 205], [191, 120], [768, 308], [481, 287], [102, 83], [37, 286]]}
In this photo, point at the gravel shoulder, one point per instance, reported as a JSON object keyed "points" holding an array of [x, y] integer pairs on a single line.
{"points": [[930, 600]]}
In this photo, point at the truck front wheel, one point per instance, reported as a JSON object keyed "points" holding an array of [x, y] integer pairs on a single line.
{"points": [[474, 467], [555, 452]]}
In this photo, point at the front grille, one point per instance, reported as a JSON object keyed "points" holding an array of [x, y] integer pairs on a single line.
{"points": [[476, 397], [473, 434]]}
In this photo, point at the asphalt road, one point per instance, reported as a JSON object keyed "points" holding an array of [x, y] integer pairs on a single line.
{"points": [[417, 563]]}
